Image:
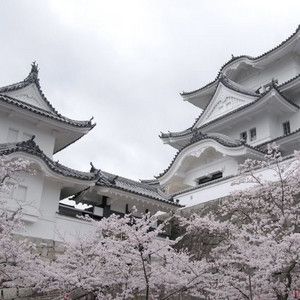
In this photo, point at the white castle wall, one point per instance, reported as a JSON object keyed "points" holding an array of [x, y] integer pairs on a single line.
{"points": [[283, 70], [221, 189], [44, 138], [227, 165]]}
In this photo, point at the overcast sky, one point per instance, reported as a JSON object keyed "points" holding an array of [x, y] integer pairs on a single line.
{"points": [[125, 62]]}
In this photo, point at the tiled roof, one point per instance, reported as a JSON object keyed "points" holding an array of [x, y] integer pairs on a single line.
{"points": [[52, 114], [241, 57], [226, 82], [261, 96], [221, 139], [30, 147], [45, 113], [264, 146], [193, 129], [139, 188]]}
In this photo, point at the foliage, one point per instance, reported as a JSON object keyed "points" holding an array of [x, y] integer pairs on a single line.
{"points": [[19, 265], [257, 239]]}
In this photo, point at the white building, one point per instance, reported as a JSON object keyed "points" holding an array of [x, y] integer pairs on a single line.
{"points": [[32, 129], [253, 101]]}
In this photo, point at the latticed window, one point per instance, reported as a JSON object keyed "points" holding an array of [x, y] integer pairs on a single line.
{"points": [[243, 136], [210, 177], [286, 128], [252, 134]]}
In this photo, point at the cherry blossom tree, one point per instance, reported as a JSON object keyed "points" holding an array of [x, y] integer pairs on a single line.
{"points": [[254, 238], [18, 264], [125, 257]]}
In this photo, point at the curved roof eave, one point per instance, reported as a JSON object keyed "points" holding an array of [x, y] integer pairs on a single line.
{"points": [[144, 189], [31, 148], [228, 84], [242, 58], [223, 143], [186, 133], [36, 110], [33, 78], [285, 86]]}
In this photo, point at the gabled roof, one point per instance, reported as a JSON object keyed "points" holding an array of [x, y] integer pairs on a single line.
{"points": [[241, 58], [31, 78], [131, 186], [52, 113], [223, 80], [193, 129], [45, 113], [31, 148], [218, 138]]}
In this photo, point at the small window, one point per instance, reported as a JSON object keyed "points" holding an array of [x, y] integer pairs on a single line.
{"points": [[12, 135], [210, 177], [243, 136], [286, 128], [252, 134]]}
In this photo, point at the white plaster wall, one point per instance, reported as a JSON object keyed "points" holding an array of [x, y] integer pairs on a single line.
{"points": [[32, 198], [283, 70], [29, 94], [44, 138], [219, 190], [261, 122], [227, 165]]}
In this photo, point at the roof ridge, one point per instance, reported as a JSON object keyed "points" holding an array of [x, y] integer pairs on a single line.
{"points": [[31, 147], [32, 77], [44, 112], [201, 137], [236, 58]]}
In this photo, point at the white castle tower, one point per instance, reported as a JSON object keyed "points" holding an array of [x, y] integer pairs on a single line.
{"points": [[32, 129], [253, 101]]}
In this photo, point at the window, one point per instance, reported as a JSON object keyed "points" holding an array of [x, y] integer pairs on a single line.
{"points": [[12, 135], [210, 177], [243, 136], [286, 128], [252, 134]]}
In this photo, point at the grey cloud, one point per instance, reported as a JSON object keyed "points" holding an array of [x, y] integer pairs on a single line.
{"points": [[131, 85]]}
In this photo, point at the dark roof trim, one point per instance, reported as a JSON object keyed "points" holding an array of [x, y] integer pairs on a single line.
{"points": [[31, 78], [227, 83], [143, 195], [241, 57], [284, 84], [201, 137], [263, 146], [30, 147], [248, 105], [53, 114], [193, 129], [44, 113], [131, 186]]}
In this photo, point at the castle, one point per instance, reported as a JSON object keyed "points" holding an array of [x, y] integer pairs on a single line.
{"points": [[252, 102]]}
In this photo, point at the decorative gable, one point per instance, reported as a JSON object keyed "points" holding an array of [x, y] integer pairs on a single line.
{"points": [[31, 95], [223, 101]]}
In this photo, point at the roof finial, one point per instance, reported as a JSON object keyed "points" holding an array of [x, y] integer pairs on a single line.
{"points": [[93, 169], [32, 138], [34, 67], [274, 82]]}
